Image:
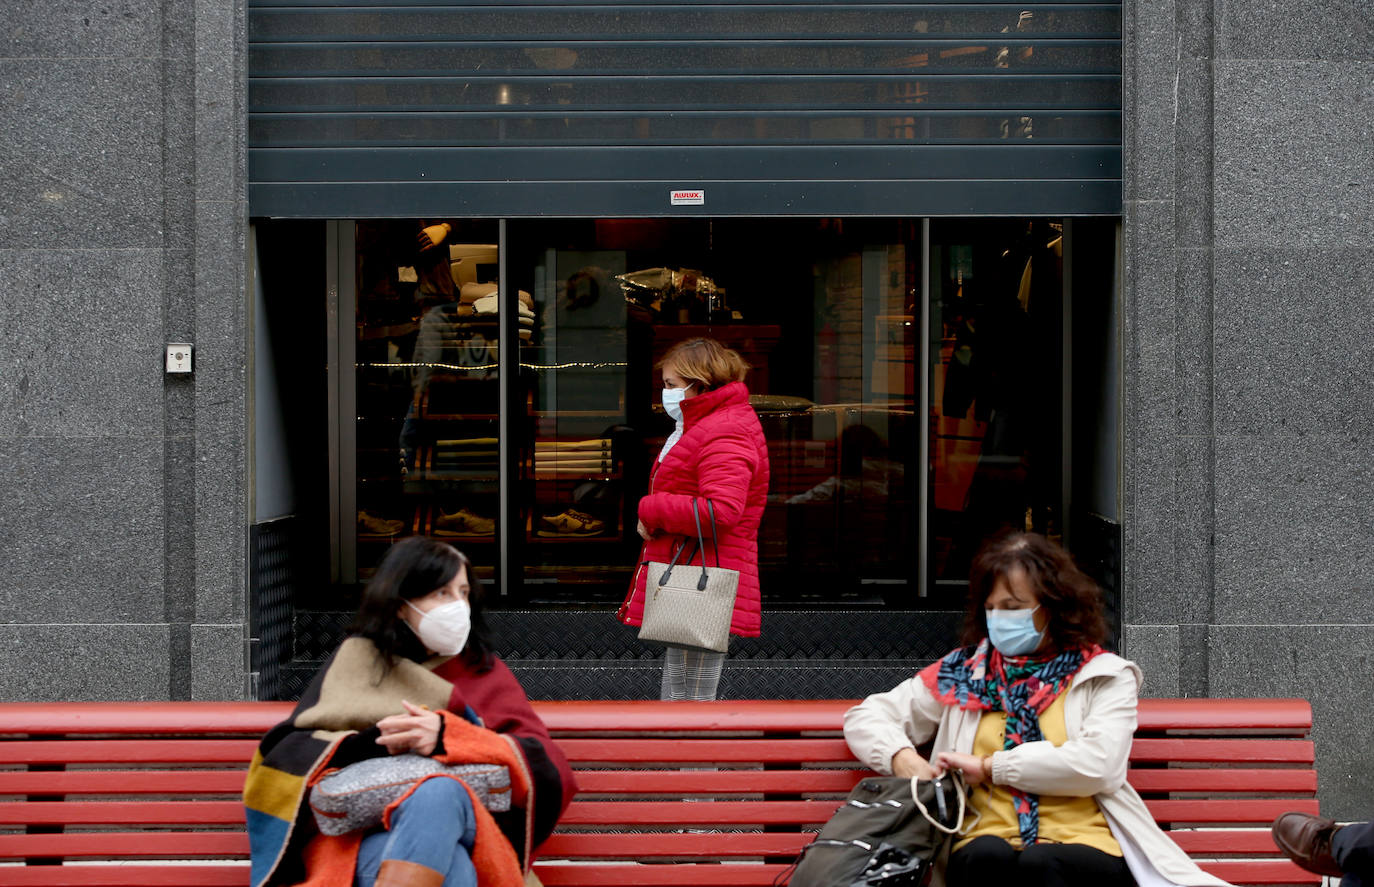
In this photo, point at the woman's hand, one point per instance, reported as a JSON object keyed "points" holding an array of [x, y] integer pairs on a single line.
{"points": [[976, 770], [644, 532], [415, 731], [906, 764]]}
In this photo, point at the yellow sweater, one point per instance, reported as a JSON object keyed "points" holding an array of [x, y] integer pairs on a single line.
{"points": [[1063, 820]]}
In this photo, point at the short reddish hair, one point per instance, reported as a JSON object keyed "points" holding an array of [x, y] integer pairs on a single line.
{"points": [[1072, 599], [705, 362]]}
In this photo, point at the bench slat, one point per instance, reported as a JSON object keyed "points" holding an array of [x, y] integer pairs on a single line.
{"points": [[1215, 779], [191, 813], [687, 813], [584, 846], [1225, 751], [164, 845], [1258, 810], [142, 718], [129, 751], [642, 782], [633, 875], [783, 751], [1211, 842], [690, 750], [1277, 715], [1277, 871], [207, 875], [552, 874], [639, 782], [249, 718], [122, 782], [230, 781]]}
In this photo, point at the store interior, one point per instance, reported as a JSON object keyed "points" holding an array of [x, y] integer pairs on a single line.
{"points": [[874, 344]]}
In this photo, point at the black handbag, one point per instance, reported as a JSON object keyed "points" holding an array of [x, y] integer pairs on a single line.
{"points": [[890, 832]]}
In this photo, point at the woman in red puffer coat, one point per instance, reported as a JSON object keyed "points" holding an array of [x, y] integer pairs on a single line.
{"points": [[717, 452]]}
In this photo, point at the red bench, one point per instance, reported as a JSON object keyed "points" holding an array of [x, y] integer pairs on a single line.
{"points": [[147, 793]]}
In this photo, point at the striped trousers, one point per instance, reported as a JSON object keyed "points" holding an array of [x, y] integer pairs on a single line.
{"points": [[689, 673]]}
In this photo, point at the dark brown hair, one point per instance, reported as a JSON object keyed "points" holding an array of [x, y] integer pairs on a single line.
{"points": [[1072, 600], [412, 568]]}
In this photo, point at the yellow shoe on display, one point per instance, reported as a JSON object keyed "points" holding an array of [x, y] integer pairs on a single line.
{"points": [[570, 523], [378, 526], [463, 523]]}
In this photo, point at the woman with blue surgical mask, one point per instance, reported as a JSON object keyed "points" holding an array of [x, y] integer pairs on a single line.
{"points": [[1039, 719]]}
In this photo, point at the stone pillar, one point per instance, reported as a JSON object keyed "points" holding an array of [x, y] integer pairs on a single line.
{"points": [[1249, 370], [122, 229]]}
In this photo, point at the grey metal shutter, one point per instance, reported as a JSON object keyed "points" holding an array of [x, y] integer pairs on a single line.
{"points": [[808, 107]]}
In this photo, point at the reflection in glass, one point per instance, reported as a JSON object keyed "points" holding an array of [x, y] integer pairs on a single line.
{"points": [[996, 313], [427, 435]]}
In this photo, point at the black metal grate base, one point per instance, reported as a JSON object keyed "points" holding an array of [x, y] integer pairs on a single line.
{"points": [[587, 654], [272, 586]]}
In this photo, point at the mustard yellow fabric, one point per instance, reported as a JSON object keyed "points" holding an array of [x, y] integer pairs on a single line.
{"points": [[1063, 820]]}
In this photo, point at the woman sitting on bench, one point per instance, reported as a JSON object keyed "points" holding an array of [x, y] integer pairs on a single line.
{"points": [[415, 676], [1039, 719]]}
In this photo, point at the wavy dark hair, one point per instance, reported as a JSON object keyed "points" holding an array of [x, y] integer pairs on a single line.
{"points": [[1072, 600], [413, 568]]}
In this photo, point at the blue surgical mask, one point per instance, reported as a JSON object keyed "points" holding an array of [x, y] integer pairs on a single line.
{"points": [[1013, 632], [672, 402]]}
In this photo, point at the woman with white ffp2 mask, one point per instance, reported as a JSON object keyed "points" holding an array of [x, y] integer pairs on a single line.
{"points": [[416, 676]]}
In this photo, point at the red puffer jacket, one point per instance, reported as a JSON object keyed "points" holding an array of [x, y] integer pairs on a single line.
{"points": [[721, 456]]}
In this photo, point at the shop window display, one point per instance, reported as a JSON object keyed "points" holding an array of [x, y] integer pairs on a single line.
{"points": [[829, 314]]}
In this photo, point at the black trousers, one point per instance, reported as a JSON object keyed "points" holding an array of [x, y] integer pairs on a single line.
{"points": [[1353, 850], [991, 860]]}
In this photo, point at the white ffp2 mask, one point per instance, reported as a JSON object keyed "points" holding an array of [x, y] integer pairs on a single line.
{"points": [[445, 629]]}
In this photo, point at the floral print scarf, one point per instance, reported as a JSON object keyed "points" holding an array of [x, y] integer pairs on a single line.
{"points": [[979, 678]]}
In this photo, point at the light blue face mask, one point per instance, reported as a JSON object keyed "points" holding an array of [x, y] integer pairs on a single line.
{"points": [[1013, 632], [672, 402]]}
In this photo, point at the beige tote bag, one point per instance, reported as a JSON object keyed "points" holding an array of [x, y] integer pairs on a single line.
{"points": [[689, 608]]}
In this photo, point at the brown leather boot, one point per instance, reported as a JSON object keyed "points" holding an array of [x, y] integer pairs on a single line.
{"points": [[401, 873], [1306, 839]]}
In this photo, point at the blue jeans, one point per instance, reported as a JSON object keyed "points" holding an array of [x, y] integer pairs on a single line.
{"points": [[434, 827]]}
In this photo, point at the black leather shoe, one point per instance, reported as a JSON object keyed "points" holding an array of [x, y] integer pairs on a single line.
{"points": [[1306, 839]]}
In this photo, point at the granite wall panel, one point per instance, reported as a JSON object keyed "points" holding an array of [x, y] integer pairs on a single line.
{"points": [[1329, 30], [82, 525], [1329, 666], [83, 153], [81, 342], [1292, 357], [83, 663], [217, 662], [109, 29], [1294, 529], [1155, 649], [1293, 152]]}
